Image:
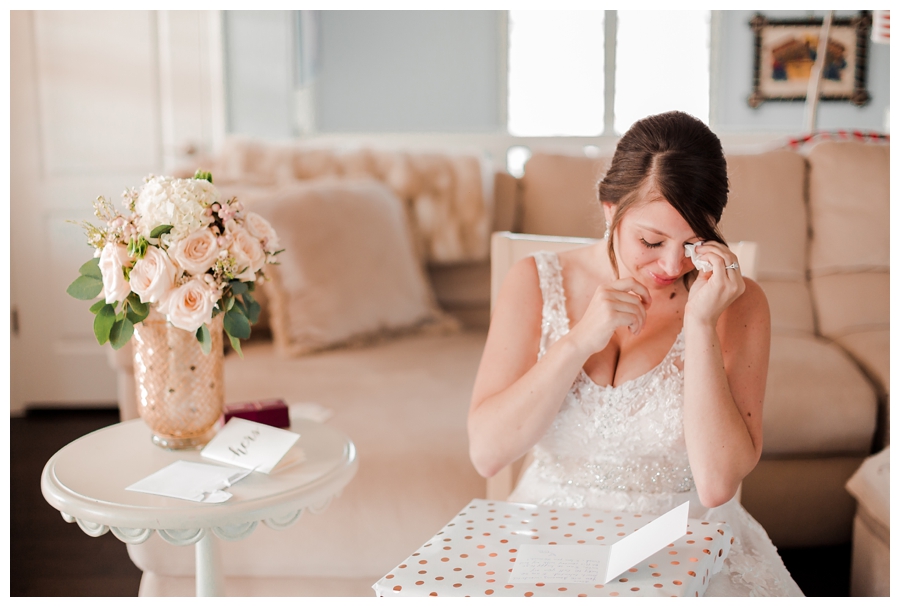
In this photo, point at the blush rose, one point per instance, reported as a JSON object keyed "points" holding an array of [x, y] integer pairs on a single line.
{"points": [[190, 305], [113, 259], [153, 277], [196, 252]]}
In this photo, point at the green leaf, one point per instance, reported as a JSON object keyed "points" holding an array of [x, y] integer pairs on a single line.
{"points": [[91, 268], [229, 303], [103, 323], [97, 305], [236, 324], [85, 287], [238, 287], [240, 305], [236, 344], [137, 310], [120, 333], [253, 308], [204, 338], [160, 230]]}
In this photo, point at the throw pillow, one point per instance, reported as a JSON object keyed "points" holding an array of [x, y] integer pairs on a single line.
{"points": [[348, 274]]}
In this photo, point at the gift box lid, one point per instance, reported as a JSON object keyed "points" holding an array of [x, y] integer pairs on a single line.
{"points": [[474, 554]]}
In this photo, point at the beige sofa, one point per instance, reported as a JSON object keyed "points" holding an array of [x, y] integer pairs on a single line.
{"points": [[820, 219]]}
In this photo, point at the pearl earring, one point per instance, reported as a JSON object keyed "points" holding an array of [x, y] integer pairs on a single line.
{"points": [[606, 233]]}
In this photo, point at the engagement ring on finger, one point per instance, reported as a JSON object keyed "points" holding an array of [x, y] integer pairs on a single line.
{"points": [[733, 266]]}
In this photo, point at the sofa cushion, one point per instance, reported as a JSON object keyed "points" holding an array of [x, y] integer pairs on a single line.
{"points": [[872, 350], [818, 402], [559, 195], [766, 205], [404, 404], [849, 201], [348, 273]]}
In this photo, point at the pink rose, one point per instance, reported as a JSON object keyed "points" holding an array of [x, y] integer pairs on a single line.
{"points": [[113, 258], [153, 276], [263, 230], [247, 252], [190, 305], [196, 252]]}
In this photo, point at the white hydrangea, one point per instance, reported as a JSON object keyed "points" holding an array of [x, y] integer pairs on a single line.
{"points": [[180, 203]]}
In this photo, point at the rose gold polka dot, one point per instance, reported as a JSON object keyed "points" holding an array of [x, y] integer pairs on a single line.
{"points": [[447, 548], [445, 559], [621, 533], [439, 578], [470, 576], [463, 556], [422, 571], [623, 579], [508, 586], [708, 539], [622, 525], [389, 576], [504, 541], [657, 585], [468, 537], [582, 595], [480, 546], [513, 550], [512, 560], [457, 585], [482, 564], [489, 573], [676, 563], [690, 541], [656, 574], [423, 562], [692, 559], [589, 529], [567, 535], [403, 566], [653, 565], [635, 589], [677, 582], [398, 588], [705, 523], [601, 537], [457, 569], [580, 541], [598, 585], [433, 594], [529, 594], [673, 552], [420, 582], [493, 554], [534, 537], [692, 573], [491, 581], [613, 594], [705, 551], [539, 584], [562, 589], [415, 554]]}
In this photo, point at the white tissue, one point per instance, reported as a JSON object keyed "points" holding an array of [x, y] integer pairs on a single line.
{"points": [[700, 264]]}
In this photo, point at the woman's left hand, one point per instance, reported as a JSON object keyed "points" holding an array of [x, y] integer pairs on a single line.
{"points": [[714, 291]]}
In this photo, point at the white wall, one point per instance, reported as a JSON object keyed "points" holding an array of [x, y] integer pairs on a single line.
{"points": [[734, 80]]}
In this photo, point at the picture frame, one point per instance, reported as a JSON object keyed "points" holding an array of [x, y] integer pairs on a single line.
{"points": [[784, 54]]}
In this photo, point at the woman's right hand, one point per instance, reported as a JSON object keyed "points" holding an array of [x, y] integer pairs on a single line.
{"points": [[622, 303]]}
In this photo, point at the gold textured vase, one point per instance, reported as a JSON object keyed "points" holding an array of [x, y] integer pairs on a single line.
{"points": [[180, 390]]}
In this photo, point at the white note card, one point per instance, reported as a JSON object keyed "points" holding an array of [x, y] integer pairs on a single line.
{"points": [[593, 564], [254, 446], [193, 481]]}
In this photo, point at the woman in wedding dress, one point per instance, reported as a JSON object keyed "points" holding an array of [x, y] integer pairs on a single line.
{"points": [[635, 380]]}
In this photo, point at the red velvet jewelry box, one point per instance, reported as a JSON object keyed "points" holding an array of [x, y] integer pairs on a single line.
{"points": [[272, 412]]}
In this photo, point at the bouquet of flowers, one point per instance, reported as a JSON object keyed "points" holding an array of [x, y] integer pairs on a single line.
{"points": [[181, 249]]}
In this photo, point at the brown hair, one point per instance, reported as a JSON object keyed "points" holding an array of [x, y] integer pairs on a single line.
{"points": [[676, 156]]}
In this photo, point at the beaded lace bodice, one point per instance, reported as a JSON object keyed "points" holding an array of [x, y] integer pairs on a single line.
{"points": [[628, 437]]}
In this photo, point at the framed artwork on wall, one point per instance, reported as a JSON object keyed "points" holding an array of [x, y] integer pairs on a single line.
{"points": [[785, 51]]}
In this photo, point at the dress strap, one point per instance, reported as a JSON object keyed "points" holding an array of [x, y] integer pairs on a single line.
{"points": [[554, 318]]}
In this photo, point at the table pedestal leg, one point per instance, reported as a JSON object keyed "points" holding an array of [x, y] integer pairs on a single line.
{"points": [[209, 566]]}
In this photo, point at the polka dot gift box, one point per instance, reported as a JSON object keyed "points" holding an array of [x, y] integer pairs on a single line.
{"points": [[475, 553]]}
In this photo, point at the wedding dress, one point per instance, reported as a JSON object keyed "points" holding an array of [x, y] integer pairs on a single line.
{"points": [[623, 448]]}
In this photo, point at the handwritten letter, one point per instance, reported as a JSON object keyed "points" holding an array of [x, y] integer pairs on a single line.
{"points": [[559, 564]]}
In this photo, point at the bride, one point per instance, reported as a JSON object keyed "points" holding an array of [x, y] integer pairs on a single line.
{"points": [[636, 381]]}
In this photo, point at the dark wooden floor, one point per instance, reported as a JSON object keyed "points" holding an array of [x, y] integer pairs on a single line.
{"points": [[49, 557]]}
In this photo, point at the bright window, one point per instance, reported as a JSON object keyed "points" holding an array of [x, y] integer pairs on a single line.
{"points": [[555, 73], [662, 64], [557, 69]]}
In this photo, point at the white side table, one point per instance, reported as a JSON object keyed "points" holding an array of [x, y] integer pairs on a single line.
{"points": [[86, 482]]}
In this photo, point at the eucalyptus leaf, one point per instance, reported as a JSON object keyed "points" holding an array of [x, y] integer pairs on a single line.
{"points": [[240, 305], [160, 230], [103, 323], [97, 305], [253, 309], [138, 310], [236, 324], [91, 268], [120, 333], [85, 287], [204, 338], [238, 287], [229, 303], [236, 344]]}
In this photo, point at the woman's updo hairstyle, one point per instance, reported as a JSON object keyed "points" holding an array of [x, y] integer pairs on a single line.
{"points": [[677, 157]]}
